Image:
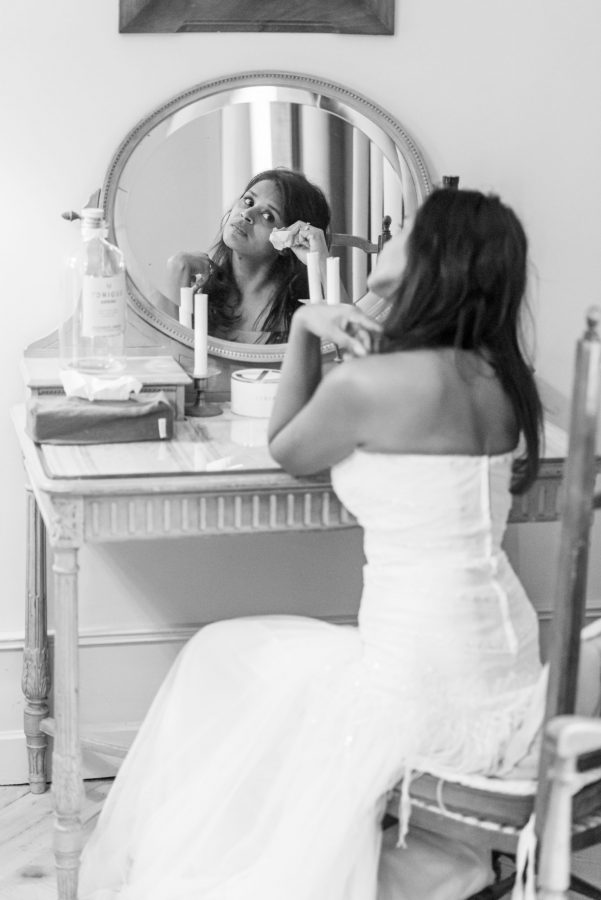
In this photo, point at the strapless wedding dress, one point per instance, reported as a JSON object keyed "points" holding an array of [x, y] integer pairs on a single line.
{"points": [[262, 769]]}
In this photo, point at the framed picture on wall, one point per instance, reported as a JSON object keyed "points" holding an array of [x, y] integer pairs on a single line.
{"points": [[333, 16]]}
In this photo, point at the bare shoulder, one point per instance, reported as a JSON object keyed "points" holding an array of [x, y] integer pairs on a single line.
{"points": [[403, 382], [434, 400], [414, 371]]}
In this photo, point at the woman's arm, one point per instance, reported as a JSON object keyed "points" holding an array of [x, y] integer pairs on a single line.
{"points": [[317, 422]]}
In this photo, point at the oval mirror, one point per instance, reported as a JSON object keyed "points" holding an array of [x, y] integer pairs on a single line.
{"points": [[179, 170]]}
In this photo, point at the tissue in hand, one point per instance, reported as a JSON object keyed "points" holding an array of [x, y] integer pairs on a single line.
{"points": [[281, 238]]}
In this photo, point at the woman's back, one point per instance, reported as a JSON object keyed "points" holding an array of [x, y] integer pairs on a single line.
{"points": [[434, 401]]}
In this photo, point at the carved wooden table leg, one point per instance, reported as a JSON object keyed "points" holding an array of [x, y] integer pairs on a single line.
{"points": [[36, 670], [67, 784]]}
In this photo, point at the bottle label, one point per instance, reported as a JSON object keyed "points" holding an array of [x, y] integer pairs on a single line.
{"points": [[103, 305]]}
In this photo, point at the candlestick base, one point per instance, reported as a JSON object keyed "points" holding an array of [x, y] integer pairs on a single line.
{"points": [[200, 407]]}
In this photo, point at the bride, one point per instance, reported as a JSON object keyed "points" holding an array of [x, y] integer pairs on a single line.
{"points": [[263, 767]]}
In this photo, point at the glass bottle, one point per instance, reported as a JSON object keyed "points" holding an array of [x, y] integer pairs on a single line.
{"points": [[92, 332]]}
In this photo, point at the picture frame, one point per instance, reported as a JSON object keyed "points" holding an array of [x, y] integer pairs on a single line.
{"points": [[326, 16]]}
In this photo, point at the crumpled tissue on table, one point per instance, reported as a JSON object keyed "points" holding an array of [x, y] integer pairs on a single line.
{"points": [[92, 387]]}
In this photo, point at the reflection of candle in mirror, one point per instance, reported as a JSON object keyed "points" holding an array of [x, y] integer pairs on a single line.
{"points": [[333, 280], [201, 367], [185, 306], [313, 274]]}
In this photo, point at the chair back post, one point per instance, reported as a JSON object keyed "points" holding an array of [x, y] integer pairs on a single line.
{"points": [[357, 267], [576, 518], [337, 239], [571, 737], [386, 234]]}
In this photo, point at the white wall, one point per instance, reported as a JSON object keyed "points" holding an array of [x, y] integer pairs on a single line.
{"points": [[505, 93]]}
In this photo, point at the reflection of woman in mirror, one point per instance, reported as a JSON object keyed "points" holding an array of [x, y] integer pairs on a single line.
{"points": [[253, 288], [263, 767]]}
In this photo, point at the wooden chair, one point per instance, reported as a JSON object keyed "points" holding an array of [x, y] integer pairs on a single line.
{"points": [[559, 810], [351, 240], [573, 745], [355, 267]]}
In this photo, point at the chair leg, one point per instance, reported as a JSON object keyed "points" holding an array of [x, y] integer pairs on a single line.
{"points": [[496, 890], [389, 821], [501, 886], [497, 856], [579, 886]]}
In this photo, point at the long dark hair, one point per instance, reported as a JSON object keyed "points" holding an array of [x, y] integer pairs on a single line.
{"points": [[301, 199], [463, 286]]}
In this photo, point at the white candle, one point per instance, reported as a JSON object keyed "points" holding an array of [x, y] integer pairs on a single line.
{"points": [[333, 279], [201, 362], [314, 276], [185, 306]]}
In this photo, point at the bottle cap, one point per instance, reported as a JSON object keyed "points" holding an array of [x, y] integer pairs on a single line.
{"points": [[92, 217], [450, 181]]}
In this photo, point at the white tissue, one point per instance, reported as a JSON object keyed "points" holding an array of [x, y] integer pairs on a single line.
{"points": [[281, 238], [90, 387]]}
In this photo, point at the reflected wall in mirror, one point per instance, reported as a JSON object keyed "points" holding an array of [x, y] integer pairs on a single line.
{"points": [[181, 168]]}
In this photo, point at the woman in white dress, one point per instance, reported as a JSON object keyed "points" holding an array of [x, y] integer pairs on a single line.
{"points": [[263, 766]]}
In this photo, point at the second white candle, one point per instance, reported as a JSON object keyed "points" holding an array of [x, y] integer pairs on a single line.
{"points": [[201, 362], [333, 279], [314, 276], [185, 306]]}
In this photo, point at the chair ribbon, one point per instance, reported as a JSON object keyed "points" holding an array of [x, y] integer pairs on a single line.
{"points": [[525, 863], [404, 808]]}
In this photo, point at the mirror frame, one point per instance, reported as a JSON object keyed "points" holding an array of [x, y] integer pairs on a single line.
{"points": [[329, 96]]}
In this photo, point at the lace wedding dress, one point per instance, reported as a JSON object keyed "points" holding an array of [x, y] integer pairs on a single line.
{"points": [[262, 768]]}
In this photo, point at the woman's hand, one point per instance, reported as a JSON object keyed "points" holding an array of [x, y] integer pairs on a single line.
{"points": [[183, 267], [343, 324], [300, 238]]}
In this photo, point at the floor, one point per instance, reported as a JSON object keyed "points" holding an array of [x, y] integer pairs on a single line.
{"points": [[26, 863]]}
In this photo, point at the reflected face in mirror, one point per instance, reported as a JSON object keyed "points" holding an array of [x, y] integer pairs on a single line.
{"points": [[251, 221], [254, 289]]}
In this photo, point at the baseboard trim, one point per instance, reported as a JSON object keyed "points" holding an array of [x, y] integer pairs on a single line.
{"points": [[13, 753], [170, 634], [179, 634]]}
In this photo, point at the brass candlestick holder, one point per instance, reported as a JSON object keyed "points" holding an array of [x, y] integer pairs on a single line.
{"points": [[201, 407]]}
